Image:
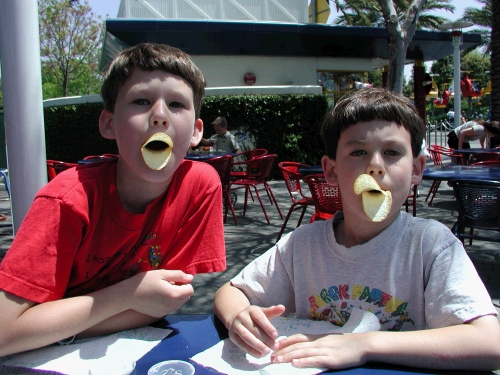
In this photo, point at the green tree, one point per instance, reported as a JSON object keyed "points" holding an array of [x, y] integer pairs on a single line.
{"points": [[70, 43], [475, 64], [443, 68]]}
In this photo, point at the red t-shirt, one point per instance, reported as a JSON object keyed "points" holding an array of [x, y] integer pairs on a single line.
{"points": [[78, 238]]}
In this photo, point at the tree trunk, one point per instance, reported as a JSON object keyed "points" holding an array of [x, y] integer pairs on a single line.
{"points": [[400, 38], [495, 61], [396, 66], [65, 84]]}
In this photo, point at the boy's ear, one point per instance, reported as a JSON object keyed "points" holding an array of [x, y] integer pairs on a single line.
{"points": [[329, 170], [418, 169], [106, 125], [197, 132]]}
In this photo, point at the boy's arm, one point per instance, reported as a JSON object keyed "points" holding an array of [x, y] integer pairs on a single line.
{"points": [[151, 295], [249, 326], [474, 345]]}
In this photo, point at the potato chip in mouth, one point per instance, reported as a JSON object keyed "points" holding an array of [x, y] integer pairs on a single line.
{"points": [[376, 202], [156, 151]]}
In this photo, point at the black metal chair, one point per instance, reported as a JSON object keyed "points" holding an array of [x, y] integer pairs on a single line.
{"points": [[478, 209]]}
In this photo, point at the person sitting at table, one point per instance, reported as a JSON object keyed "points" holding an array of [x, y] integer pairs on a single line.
{"points": [[473, 130], [412, 273], [112, 246], [222, 139]]}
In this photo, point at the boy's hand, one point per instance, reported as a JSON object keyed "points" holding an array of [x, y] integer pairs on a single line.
{"points": [[333, 351], [252, 330], [157, 293]]}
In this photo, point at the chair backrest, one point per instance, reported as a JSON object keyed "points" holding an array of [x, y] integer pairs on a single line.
{"points": [[478, 203], [488, 163], [435, 155], [51, 171], [253, 153], [437, 152], [222, 164], [250, 154], [327, 199], [261, 167], [292, 177], [60, 166]]}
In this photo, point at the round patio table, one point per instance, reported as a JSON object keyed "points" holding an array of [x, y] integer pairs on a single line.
{"points": [[462, 172]]}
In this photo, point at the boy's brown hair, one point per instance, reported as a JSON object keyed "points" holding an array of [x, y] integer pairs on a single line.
{"points": [[151, 56], [367, 105]]}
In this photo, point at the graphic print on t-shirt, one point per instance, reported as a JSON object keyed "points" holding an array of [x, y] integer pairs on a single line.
{"points": [[154, 252], [335, 303]]}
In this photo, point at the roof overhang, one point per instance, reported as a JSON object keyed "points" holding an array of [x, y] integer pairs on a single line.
{"points": [[209, 37]]}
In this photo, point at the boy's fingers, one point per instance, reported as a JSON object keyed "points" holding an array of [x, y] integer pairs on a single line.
{"points": [[254, 342], [266, 325], [294, 339], [248, 348], [176, 276], [273, 311]]}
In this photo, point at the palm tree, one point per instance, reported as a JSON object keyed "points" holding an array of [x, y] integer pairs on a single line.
{"points": [[401, 18], [481, 17], [369, 13]]}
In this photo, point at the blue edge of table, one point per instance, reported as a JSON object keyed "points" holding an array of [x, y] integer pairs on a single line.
{"points": [[193, 334]]}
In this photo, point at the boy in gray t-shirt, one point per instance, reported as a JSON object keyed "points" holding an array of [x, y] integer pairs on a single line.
{"points": [[412, 273]]}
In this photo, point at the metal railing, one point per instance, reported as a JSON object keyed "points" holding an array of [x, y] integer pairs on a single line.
{"points": [[437, 132]]}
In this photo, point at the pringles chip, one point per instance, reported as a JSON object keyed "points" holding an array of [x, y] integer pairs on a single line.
{"points": [[156, 151], [376, 202]]}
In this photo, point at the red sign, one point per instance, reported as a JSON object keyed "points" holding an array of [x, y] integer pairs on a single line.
{"points": [[249, 78]]}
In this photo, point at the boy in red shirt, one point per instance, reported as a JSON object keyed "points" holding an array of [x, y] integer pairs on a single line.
{"points": [[112, 246]]}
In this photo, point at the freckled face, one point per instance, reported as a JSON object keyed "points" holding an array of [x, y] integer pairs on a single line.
{"points": [[381, 149], [150, 102]]}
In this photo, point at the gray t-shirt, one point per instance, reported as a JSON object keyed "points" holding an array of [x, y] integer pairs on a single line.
{"points": [[414, 275]]}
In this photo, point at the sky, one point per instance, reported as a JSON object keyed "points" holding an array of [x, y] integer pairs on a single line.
{"points": [[103, 7], [110, 8]]}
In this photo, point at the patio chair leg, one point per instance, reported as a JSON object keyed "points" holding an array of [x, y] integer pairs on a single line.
{"points": [[227, 198], [301, 216], [262, 205], [284, 224], [247, 189], [434, 188], [274, 199]]}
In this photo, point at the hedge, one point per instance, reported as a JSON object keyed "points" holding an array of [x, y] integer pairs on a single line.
{"points": [[287, 125]]}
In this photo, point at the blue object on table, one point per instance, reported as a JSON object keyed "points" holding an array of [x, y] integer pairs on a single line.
{"points": [[196, 333], [4, 173], [192, 335], [462, 172], [240, 136], [312, 169]]}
